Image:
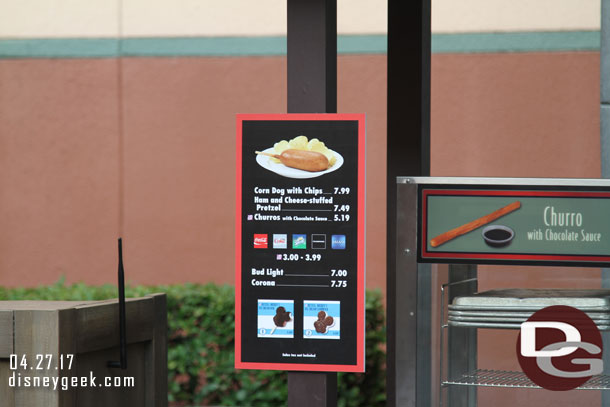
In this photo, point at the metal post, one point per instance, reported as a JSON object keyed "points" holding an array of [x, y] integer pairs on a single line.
{"points": [[605, 149], [408, 154], [312, 56], [312, 88], [312, 389], [461, 342], [412, 357]]}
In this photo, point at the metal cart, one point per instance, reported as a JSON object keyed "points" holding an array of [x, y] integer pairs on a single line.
{"points": [[434, 328]]}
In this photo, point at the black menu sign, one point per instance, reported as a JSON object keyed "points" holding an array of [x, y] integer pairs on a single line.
{"points": [[300, 242]]}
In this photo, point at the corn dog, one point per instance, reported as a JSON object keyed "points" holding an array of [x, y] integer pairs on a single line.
{"points": [[470, 226], [311, 161]]}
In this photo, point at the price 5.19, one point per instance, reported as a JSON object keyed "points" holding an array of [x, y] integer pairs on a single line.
{"points": [[344, 217]]}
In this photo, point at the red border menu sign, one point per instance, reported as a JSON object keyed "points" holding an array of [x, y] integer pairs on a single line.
{"points": [[299, 276], [557, 225]]}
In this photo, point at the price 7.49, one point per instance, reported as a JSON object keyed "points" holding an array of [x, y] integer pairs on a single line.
{"points": [[338, 283]]}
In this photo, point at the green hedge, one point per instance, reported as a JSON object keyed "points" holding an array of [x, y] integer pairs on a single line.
{"points": [[201, 347]]}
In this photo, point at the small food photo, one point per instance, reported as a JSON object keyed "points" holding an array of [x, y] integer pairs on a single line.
{"points": [[321, 319], [275, 319], [299, 158], [495, 236]]}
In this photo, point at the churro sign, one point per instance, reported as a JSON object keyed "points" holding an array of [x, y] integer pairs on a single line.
{"points": [[561, 226], [300, 242]]}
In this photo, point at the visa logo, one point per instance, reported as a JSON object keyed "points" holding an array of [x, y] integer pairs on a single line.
{"points": [[338, 242]]}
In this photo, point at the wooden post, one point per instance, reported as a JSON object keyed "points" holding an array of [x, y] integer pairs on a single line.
{"points": [[312, 88]]}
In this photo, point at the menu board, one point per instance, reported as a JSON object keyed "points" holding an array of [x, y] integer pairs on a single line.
{"points": [[300, 242], [515, 225]]}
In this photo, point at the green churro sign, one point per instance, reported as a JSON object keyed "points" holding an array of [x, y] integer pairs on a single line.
{"points": [[512, 226]]}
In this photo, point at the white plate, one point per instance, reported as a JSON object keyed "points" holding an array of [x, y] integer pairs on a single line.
{"points": [[279, 168]]}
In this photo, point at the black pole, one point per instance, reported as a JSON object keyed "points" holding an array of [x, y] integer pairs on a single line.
{"points": [[312, 88], [122, 363], [312, 56], [122, 316], [408, 154]]}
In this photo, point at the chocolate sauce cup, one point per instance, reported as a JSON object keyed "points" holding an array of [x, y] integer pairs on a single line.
{"points": [[498, 236]]}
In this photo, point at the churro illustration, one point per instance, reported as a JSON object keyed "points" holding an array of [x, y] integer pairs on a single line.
{"points": [[470, 226]]}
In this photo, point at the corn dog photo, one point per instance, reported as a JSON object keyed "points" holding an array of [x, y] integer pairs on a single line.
{"points": [[299, 158], [477, 223]]}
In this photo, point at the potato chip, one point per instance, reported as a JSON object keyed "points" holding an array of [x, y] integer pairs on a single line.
{"points": [[280, 146], [316, 145], [300, 143]]}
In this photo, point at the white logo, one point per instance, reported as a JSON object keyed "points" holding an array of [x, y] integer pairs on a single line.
{"points": [[570, 345], [280, 241]]}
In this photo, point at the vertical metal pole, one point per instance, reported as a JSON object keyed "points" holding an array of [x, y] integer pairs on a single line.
{"points": [[461, 342], [605, 89], [605, 151], [408, 154], [312, 88], [312, 56], [412, 305]]}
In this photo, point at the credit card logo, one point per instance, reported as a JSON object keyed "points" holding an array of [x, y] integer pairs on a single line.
{"points": [[338, 242], [260, 241], [318, 241], [299, 241], [280, 241]]}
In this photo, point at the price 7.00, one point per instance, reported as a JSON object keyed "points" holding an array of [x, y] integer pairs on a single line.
{"points": [[338, 283]]}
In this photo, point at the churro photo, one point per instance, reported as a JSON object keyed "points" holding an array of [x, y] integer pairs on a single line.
{"points": [[475, 224]]}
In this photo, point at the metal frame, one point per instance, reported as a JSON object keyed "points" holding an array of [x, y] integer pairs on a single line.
{"points": [[586, 182], [413, 335], [412, 352], [462, 281]]}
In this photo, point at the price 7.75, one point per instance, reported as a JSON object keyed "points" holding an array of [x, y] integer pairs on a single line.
{"points": [[338, 283]]}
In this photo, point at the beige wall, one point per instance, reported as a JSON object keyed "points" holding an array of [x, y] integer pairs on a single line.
{"points": [[450, 16], [166, 18]]}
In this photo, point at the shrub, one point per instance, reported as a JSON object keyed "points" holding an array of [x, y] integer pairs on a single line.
{"points": [[201, 346]]}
